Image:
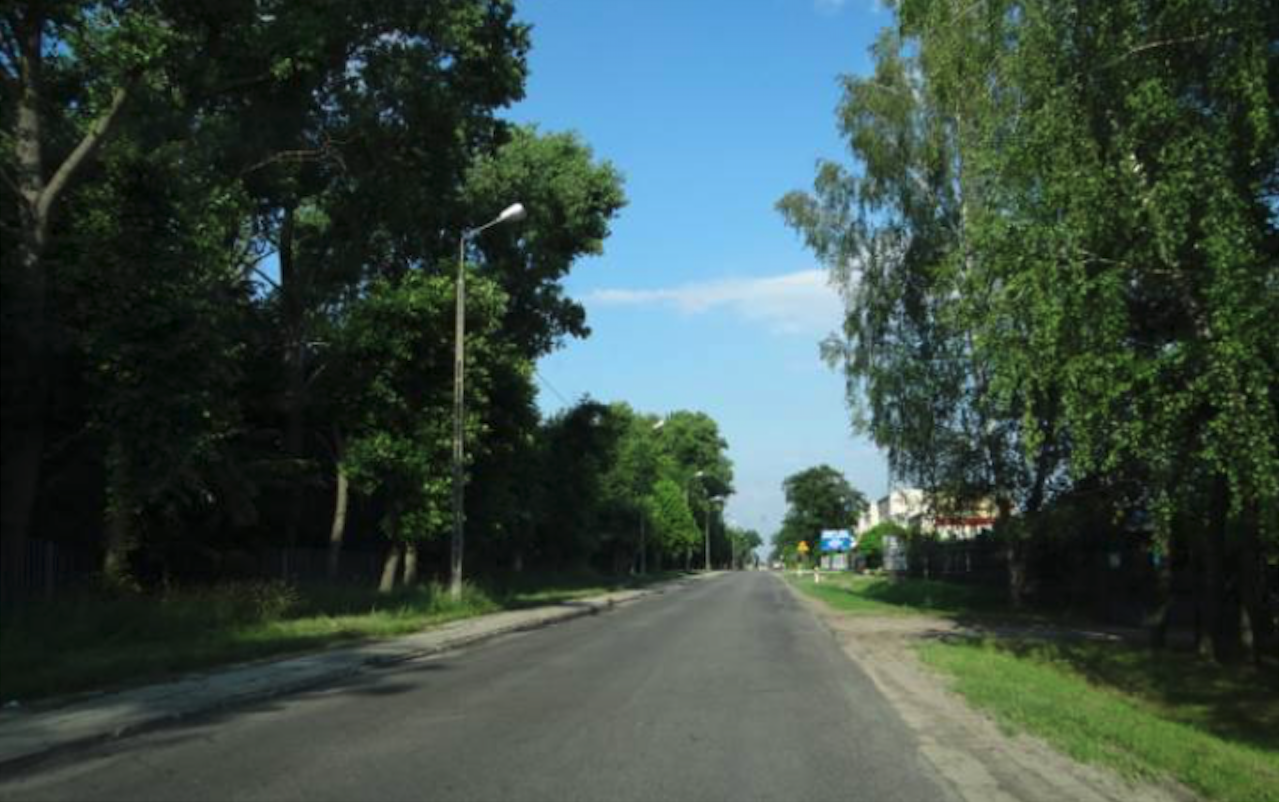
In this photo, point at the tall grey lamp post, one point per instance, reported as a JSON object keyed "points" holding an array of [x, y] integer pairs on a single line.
{"points": [[643, 566], [510, 214]]}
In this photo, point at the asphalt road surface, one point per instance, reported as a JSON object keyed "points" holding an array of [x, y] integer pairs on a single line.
{"points": [[725, 689]]}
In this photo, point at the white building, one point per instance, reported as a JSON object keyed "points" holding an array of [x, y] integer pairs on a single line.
{"points": [[911, 507]]}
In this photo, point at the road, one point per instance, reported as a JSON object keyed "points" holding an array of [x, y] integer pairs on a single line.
{"points": [[724, 689]]}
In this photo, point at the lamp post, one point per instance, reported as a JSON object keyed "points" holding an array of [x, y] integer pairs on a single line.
{"points": [[643, 566], [510, 214]]}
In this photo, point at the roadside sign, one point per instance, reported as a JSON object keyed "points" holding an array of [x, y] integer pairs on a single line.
{"points": [[837, 540], [803, 547]]}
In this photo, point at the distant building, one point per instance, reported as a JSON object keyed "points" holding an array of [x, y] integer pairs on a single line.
{"points": [[912, 508]]}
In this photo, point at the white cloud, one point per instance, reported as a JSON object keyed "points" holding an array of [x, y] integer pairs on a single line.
{"points": [[792, 303], [833, 7], [829, 6]]}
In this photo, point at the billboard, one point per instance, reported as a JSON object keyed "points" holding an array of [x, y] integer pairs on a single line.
{"points": [[837, 540]]}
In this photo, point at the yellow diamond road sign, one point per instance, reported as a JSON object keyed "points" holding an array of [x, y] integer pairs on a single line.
{"points": [[803, 547]]}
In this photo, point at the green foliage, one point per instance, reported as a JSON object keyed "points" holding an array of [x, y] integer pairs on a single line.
{"points": [[570, 201], [742, 545], [1149, 717], [90, 642], [870, 544], [244, 291], [817, 498], [674, 527], [1058, 248], [880, 596], [400, 406]]}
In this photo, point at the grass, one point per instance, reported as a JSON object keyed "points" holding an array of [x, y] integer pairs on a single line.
{"points": [[89, 642], [1216, 730], [868, 595], [1147, 714]]}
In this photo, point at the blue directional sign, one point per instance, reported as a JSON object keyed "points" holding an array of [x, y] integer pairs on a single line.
{"points": [[837, 540]]}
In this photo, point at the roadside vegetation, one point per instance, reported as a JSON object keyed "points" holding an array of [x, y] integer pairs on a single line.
{"points": [[1056, 243], [1147, 714], [232, 245], [83, 642], [1214, 729], [871, 595]]}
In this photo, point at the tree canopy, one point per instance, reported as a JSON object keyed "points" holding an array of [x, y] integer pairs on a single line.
{"points": [[1058, 245]]}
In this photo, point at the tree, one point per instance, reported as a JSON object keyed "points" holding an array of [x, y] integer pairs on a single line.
{"points": [[674, 528], [570, 200], [150, 295], [919, 346], [628, 482], [817, 498], [67, 73], [743, 543], [1062, 224], [400, 421], [870, 544]]}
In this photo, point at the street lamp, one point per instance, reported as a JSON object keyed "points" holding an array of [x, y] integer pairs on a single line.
{"points": [[643, 566], [510, 214]]}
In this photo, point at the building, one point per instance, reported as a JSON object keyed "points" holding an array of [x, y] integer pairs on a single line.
{"points": [[912, 508]]}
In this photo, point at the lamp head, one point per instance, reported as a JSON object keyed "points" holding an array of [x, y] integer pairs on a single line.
{"points": [[512, 214]]}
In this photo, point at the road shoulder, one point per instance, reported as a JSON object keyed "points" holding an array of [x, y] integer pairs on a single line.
{"points": [[28, 737], [969, 750]]}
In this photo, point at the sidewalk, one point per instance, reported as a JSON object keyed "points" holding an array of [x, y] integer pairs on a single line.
{"points": [[29, 736]]}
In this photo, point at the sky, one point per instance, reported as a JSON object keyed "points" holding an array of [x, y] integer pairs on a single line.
{"points": [[703, 298]]}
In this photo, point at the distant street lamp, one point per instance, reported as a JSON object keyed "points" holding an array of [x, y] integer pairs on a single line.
{"points": [[657, 427], [510, 214]]}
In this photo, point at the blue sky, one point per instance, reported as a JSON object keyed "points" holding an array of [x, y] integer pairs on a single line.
{"points": [[703, 299]]}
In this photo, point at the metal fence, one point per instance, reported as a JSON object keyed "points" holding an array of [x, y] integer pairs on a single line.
{"points": [[1115, 582], [46, 569]]}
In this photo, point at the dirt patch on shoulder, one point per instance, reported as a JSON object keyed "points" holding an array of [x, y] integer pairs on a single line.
{"points": [[980, 760]]}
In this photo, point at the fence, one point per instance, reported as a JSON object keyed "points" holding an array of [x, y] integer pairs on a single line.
{"points": [[1117, 582], [45, 569], [42, 570]]}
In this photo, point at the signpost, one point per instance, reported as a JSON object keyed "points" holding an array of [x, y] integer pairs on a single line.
{"points": [[837, 540], [836, 545]]}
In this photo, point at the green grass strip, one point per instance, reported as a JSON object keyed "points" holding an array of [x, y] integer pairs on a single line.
{"points": [[869, 595], [89, 642], [1213, 730]]}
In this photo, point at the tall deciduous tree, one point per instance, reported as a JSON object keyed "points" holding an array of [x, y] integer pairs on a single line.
{"points": [[817, 498], [399, 435], [1063, 233]]}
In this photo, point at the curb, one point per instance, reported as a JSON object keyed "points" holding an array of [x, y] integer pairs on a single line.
{"points": [[554, 614]]}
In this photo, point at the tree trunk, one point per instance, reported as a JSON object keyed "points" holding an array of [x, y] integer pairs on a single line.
{"points": [[337, 531], [390, 568], [28, 374], [1219, 608], [294, 372], [643, 549], [410, 564], [1253, 590], [1158, 621], [122, 538], [26, 378]]}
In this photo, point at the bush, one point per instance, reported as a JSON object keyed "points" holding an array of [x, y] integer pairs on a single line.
{"points": [[871, 544]]}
